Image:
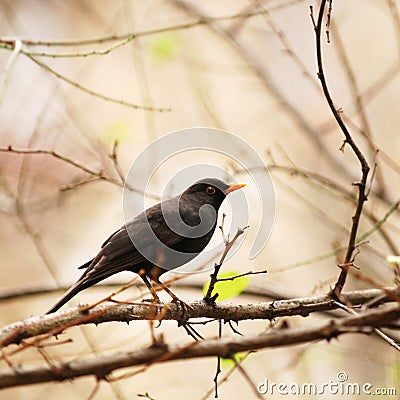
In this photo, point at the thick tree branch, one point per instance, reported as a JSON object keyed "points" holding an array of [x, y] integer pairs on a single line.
{"points": [[101, 367], [57, 322]]}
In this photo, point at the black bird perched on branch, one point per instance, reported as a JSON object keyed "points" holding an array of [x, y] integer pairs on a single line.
{"points": [[164, 237]]}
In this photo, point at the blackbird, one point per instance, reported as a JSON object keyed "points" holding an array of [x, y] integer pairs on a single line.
{"points": [[165, 236]]}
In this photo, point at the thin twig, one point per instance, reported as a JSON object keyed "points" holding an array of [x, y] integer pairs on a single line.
{"points": [[267, 81], [209, 298], [114, 158], [362, 198], [53, 153], [226, 377], [95, 174], [365, 130], [379, 332], [10, 63], [232, 278], [218, 370], [9, 42], [336, 251], [92, 92], [330, 185], [247, 378]]}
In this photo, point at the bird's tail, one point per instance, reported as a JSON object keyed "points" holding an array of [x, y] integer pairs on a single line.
{"points": [[72, 291], [69, 294]]}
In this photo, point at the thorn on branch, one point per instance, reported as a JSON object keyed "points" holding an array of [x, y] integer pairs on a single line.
{"points": [[374, 168], [341, 148], [357, 183], [114, 157], [348, 265], [312, 17], [233, 328], [328, 22], [221, 227], [145, 395]]}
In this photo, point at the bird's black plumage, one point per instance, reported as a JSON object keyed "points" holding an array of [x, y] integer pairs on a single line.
{"points": [[175, 243]]}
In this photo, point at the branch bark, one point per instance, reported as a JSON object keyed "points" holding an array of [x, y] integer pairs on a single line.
{"points": [[55, 323], [101, 367]]}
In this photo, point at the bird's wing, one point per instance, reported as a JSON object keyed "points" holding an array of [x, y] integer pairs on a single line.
{"points": [[119, 252]]}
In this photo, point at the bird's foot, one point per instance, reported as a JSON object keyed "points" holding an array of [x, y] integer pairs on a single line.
{"points": [[154, 300], [181, 304], [160, 309], [183, 321], [186, 308]]}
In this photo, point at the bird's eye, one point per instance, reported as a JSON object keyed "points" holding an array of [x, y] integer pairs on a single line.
{"points": [[210, 190]]}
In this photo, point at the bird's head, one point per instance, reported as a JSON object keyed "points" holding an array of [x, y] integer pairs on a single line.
{"points": [[208, 191], [193, 214]]}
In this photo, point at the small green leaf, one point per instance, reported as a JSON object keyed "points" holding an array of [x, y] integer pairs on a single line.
{"points": [[396, 372], [393, 259], [229, 363], [165, 46], [230, 288], [117, 131]]}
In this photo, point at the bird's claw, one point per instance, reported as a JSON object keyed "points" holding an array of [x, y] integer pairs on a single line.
{"points": [[153, 300], [185, 310], [183, 321], [159, 308]]}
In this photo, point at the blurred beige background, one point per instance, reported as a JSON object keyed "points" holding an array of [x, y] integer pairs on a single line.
{"points": [[252, 75]]}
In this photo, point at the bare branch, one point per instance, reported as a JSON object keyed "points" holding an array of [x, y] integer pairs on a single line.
{"points": [[92, 92], [348, 195], [53, 153], [379, 332], [101, 367], [209, 298], [57, 322], [348, 140], [10, 42], [95, 174], [232, 278], [268, 83]]}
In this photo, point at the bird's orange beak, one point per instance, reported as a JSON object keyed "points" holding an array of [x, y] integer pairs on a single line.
{"points": [[232, 188]]}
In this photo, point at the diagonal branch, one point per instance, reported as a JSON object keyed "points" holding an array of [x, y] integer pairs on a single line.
{"points": [[93, 173], [92, 92], [209, 298]]}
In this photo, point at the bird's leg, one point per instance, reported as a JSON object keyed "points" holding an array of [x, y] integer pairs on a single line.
{"points": [[185, 307], [154, 274], [156, 299], [175, 299]]}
